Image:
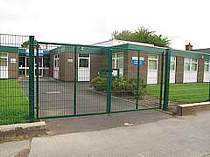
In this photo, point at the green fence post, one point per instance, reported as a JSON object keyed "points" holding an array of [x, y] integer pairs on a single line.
{"points": [[138, 78], [161, 81], [75, 80], [167, 78], [31, 78], [37, 81], [209, 87], [109, 90]]}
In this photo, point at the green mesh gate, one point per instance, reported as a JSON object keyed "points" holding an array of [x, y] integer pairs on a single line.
{"points": [[85, 79], [42, 79]]}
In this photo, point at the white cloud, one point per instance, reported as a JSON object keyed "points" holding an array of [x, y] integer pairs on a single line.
{"points": [[91, 21]]}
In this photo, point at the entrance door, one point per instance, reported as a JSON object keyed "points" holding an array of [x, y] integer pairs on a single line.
{"points": [[172, 69], [56, 67], [206, 77], [3, 65], [152, 75], [84, 67]]}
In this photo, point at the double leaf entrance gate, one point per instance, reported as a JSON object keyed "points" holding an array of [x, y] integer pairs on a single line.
{"points": [[43, 79], [92, 79]]}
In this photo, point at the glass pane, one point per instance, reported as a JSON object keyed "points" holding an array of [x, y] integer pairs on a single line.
{"points": [[114, 66], [3, 54], [152, 65], [187, 67], [173, 59], [83, 63], [84, 55], [194, 60], [21, 61], [206, 67], [152, 57], [56, 63], [172, 66], [120, 63], [46, 62], [3, 61], [194, 67], [27, 62]]}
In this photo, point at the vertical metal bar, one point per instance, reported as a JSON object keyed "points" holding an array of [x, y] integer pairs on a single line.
{"points": [[167, 78], [161, 80], [138, 79], [31, 78], [109, 90], [75, 80], [37, 81], [208, 76]]}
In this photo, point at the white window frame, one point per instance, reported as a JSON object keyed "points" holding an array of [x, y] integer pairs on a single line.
{"points": [[56, 61], [117, 58], [5, 57], [206, 63], [173, 61], [153, 58], [190, 63]]}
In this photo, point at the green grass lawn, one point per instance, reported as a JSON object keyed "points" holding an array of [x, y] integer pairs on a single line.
{"points": [[13, 102], [183, 93]]}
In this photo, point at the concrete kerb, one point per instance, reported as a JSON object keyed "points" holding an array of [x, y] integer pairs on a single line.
{"points": [[22, 131]]}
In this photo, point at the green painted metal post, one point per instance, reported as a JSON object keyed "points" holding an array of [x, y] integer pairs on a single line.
{"points": [[37, 81], [109, 90], [161, 80], [138, 78], [209, 85], [166, 79], [75, 80], [31, 78]]}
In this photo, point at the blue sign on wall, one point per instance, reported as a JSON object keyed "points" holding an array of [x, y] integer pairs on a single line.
{"points": [[134, 61]]}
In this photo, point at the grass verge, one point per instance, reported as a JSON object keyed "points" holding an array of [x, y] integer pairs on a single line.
{"points": [[13, 102]]}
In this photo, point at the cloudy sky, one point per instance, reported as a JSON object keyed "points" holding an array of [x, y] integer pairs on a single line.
{"points": [[90, 21]]}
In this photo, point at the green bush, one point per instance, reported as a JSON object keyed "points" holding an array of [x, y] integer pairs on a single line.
{"points": [[121, 86]]}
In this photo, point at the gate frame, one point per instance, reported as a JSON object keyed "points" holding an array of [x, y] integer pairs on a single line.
{"points": [[159, 51]]}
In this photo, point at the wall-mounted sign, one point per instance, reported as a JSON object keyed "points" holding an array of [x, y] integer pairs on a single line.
{"points": [[70, 60], [12, 60], [135, 61]]}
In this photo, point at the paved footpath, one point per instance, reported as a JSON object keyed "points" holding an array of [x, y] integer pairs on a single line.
{"points": [[174, 137]]}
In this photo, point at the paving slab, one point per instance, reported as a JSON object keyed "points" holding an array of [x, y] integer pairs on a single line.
{"points": [[174, 137], [15, 149]]}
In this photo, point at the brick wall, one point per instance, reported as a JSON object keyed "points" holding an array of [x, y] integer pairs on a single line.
{"points": [[13, 68], [200, 70], [97, 63], [179, 69], [66, 68], [131, 70]]}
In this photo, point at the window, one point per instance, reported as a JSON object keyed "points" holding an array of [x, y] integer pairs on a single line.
{"points": [[190, 64], [153, 62], [3, 59], [83, 63], [194, 64], [118, 62], [56, 61], [173, 64], [206, 66], [21, 61], [46, 62], [84, 55]]}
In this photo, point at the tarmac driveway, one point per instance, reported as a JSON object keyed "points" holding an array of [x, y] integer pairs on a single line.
{"points": [[56, 98]]}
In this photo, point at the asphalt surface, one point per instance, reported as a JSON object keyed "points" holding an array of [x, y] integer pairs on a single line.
{"points": [[56, 98], [170, 137]]}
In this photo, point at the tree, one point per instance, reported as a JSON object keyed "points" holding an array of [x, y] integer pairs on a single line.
{"points": [[142, 35], [26, 44]]}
